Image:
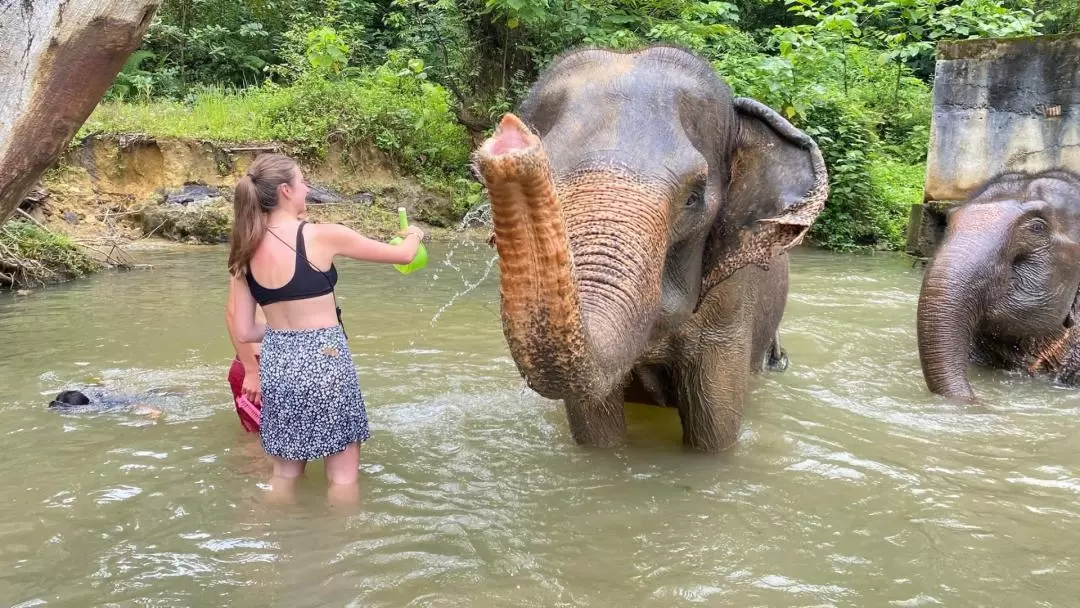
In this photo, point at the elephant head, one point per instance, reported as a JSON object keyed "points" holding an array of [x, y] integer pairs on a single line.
{"points": [[631, 184], [1005, 277]]}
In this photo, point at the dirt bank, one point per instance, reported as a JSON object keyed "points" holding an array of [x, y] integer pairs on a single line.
{"points": [[113, 189], [111, 195]]}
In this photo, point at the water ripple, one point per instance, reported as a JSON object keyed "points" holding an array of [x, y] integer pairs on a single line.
{"points": [[850, 486]]}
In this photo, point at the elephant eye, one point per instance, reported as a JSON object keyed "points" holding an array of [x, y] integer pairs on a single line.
{"points": [[695, 199], [1038, 226]]}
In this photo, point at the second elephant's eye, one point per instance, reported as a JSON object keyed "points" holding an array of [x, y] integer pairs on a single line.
{"points": [[1038, 226]]}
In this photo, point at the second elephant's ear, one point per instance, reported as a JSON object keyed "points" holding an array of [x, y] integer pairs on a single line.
{"points": [[778, 187]]}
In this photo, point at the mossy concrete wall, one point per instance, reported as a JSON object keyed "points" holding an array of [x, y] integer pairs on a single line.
{"points": [[999, 105]]}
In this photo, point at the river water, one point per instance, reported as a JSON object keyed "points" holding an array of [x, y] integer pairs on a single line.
{"points": [[850, 486]]}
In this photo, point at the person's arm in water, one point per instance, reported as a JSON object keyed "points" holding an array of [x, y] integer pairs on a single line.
{"points": [[342, 240], [245, 351], [151, 412], [245, 328]]}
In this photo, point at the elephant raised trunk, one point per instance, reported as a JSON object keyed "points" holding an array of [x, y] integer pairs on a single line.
{"points": [[953, 299], [566, 310]]}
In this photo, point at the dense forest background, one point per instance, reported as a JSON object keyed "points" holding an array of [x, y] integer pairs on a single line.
{"points": [[424, 79]]}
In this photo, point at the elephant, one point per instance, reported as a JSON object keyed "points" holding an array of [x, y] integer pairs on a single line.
{"points": [[1002, 288], [642, 216]]}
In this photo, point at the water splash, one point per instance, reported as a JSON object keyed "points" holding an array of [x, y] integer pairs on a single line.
{"points": [[468, 286], [477, 217]]}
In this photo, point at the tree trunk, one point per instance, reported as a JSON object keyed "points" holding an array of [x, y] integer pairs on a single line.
{"points": [[57, 59]]}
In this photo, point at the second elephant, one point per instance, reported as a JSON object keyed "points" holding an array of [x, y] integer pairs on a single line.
{"points": [[1002, 289]]}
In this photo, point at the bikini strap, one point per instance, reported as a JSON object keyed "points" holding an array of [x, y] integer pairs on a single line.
{"points": [[301, 249]]}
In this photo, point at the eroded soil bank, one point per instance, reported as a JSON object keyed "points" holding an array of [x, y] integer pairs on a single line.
{"points": [[113, 193], [104, 184]]}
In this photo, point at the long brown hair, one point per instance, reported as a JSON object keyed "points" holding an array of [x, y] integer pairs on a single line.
{"points": [[255, 196]]}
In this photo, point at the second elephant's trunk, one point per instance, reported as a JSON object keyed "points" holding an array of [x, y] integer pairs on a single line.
{"points": [[954, 296]]}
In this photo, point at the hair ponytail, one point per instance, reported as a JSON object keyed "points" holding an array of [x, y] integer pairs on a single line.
{"points": [[256, 194]]}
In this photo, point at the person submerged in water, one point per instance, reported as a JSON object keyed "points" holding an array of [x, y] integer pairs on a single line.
{"points": [[77, 402]]}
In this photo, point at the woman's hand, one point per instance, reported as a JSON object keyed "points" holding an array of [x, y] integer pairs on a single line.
{"points": [[251, 388], [411, 230]]}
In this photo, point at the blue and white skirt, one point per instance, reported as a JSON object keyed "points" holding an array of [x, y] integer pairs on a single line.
{"points": [[311, 401]]}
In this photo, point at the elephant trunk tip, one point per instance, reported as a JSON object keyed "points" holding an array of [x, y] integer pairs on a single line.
{"points": [[961, 395], [944, 370], [511, 135]]}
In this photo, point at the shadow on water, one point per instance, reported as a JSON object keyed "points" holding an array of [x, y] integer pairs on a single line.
{"points": [[850, 486]]}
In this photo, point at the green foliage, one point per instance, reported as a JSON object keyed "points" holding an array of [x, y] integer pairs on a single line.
{"points": [[853, 73], [133, 79], [207, 113], [393, 107], [1059, 16], [899, 186], [326, 50], [852, 216]]}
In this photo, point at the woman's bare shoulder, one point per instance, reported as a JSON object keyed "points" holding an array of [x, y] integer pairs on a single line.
{"points": [[336, 233]]}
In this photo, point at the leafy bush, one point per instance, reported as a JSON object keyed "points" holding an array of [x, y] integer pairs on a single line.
{"points": [[899, 186], [849, 218], [403, 115]]}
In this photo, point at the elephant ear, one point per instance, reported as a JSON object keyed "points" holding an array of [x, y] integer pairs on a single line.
{"points": [[778, 187]]}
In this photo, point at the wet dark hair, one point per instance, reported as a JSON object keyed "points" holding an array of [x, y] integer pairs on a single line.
{"points": [[69, 398]]}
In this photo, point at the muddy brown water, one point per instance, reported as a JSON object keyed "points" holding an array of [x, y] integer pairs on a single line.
{"points": [[850, 486]]}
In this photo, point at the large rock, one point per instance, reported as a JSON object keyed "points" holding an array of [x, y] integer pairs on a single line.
{"points": [[57, 59], [188, 219]]}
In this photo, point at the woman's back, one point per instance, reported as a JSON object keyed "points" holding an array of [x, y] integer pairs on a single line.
{"points": [[292, 276]]}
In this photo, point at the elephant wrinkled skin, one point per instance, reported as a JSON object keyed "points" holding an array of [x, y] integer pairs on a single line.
{"points": [[1002, 288], [642, 217]]}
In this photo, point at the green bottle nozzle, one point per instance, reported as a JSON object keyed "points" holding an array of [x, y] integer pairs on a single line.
{"points": [[401, 217]]}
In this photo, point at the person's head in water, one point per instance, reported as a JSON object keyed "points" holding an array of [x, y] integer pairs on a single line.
{"points": [[69, 399], [272, 184]]}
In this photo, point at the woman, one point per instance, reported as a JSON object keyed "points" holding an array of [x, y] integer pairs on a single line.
{"points": [[312, 406]]}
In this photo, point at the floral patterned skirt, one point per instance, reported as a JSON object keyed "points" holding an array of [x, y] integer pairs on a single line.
{"points": [[311, 401]]}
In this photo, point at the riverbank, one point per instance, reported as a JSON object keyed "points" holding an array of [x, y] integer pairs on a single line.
{"points": [[112, 191]]}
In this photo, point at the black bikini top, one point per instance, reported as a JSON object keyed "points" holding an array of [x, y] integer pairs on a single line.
{"points": [[307, 281]]}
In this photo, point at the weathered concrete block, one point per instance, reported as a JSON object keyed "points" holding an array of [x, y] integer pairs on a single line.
{"points": [[1002, 105]]}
